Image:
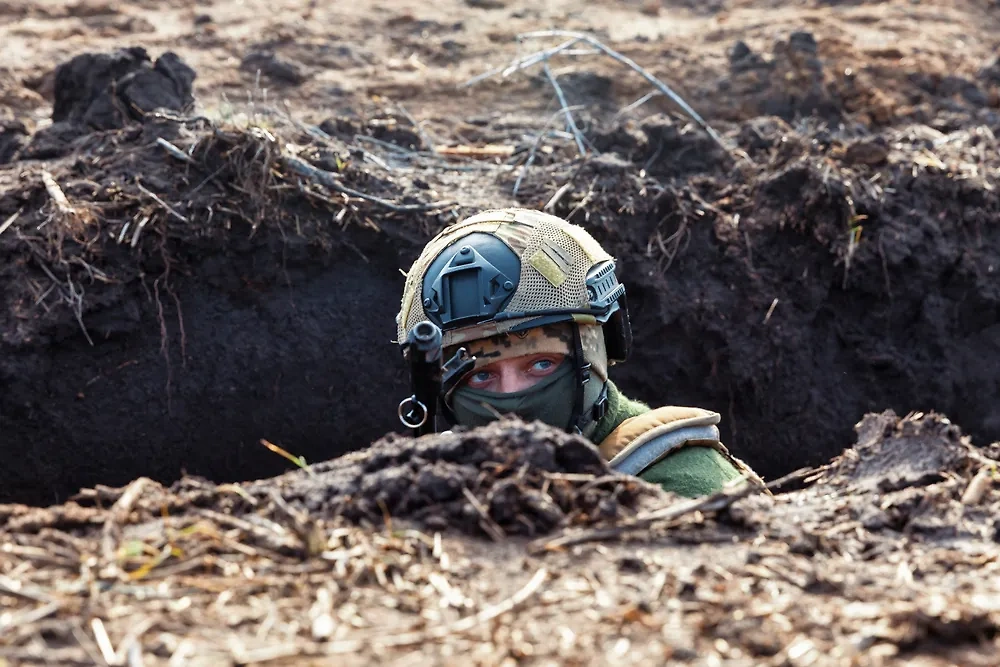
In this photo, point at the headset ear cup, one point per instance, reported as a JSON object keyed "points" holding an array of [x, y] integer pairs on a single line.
{"points": [[618, 333]]}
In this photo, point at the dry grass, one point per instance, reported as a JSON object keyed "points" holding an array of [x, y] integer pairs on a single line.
{"points": [[865, 564]]}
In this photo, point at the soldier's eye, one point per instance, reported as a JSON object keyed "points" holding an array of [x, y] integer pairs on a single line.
{"points": [[542, 365], [482, 377]]}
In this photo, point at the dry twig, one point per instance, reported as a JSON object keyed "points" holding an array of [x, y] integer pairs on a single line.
{"points": [[118, 515], [173, 150], [57, 195], [485, 521], [331, 181], [564, 106], [470, 622], [9, 221], [167, 207], [575, 38]]}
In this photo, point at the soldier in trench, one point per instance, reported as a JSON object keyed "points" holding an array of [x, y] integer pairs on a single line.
{"points": [[536, 301]]}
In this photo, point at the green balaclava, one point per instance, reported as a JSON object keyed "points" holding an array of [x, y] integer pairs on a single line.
{"points": [[553, 398], [550, 401]]}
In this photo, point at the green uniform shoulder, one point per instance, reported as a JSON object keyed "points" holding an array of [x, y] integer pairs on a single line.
{"points": [[675, 447], [692, 471]]}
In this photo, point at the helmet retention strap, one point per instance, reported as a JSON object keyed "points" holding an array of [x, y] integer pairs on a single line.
{"points": [[583, 374]]}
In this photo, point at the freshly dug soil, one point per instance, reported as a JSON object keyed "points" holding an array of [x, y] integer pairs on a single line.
{"points": [[887, 555], [508, 478], [190, 341], [202, 293]]}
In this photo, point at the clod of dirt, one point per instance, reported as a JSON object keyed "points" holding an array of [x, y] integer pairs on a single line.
{"points": [[387, 128], [904, 475], [789, 84], [13, 136], [871, 152], [51, 142], [742, 58], [663, 146], [273, 67], [104, 91], [893, 452], [509, 474]]}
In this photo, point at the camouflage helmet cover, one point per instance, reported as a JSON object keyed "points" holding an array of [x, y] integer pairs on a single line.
{"points": [[545, 267]]}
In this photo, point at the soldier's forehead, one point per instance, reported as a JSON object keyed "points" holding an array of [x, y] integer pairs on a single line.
{"points": [[559, 333]]}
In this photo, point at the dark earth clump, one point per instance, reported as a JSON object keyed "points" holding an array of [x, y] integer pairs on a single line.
{"points": [[13, 136], [273, 67], [105, 91], [788, 83], [915, 478], [524, 479]]}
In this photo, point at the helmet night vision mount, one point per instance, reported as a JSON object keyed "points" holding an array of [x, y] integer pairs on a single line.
{"points": [[473, 281]]}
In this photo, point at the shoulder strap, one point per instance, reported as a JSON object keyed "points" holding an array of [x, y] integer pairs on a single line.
{"points": [[634, 431], [641, 441]]}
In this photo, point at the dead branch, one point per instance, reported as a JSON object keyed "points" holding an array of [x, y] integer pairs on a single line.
{"points": [[659, 85], [536, 144], [576, 37], [9, 221], [167, 207], [487, 523], [330, 180], [173, 150], [570, 122], [430, 143], [520, 63], [979, 485], [57, 195]]}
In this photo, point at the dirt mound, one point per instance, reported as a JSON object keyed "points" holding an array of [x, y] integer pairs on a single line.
{"points": [[16, 127], [105, 91], [13, 137], [899, 566], [528, 479], [508, 478], [790, 83], [915, 476], [893, 453]]}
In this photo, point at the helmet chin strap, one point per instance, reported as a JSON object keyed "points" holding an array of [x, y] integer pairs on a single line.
{"points": [[582, 417]]}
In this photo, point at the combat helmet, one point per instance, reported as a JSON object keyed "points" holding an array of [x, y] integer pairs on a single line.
{"points": [[508, 271]]}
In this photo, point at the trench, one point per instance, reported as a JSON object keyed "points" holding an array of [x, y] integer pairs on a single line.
{"points": [[260, 333], [249, 348]]}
